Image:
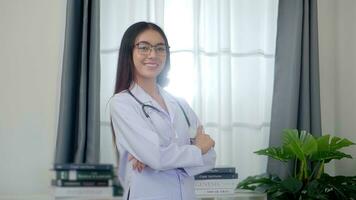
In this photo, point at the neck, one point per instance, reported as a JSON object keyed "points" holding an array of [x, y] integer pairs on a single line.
{"points": [[148, 85]]}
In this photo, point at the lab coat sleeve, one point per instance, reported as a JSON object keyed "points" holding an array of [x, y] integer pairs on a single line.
{"points": [[209, 163], [209, 158], [134, 134]]}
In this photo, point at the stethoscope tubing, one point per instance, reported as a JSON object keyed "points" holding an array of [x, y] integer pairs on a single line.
{"points": [[143, 106]]}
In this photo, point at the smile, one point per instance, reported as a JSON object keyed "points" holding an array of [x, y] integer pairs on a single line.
{"points": [[152, 65]]}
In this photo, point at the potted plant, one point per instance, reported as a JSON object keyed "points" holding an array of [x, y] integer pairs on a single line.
{"points": [[308, 181]]}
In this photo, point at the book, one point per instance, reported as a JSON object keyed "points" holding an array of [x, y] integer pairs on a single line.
{"points": [[105, 192], [223, 170], [82, 183], [215, 191], [215, 183], [216, 176], [72, 166], [83, 174], [118, 190]]}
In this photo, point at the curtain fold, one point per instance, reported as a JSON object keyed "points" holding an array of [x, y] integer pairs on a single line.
{"points": [[78, 135], [296, 95]]}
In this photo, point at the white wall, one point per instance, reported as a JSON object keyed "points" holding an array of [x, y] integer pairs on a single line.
{"points": [[31, 45], [337, 43]]}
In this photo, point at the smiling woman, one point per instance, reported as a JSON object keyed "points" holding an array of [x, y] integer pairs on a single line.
{"points": [[157, 158], [222, 64]]}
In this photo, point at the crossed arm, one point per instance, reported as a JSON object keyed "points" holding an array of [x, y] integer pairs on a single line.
{"points": [[143, 143], [202, 141]]}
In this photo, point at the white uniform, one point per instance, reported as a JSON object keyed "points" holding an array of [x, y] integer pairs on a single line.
{"points": [[161, 142]]}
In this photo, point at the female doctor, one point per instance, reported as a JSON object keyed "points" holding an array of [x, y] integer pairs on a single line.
{"points": [[160, 140]]}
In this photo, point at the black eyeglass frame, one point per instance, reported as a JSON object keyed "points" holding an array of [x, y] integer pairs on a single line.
{"points": [[154, 47]]}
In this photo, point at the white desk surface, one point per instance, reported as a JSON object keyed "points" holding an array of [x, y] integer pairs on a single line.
{"points": [[240, 194]]}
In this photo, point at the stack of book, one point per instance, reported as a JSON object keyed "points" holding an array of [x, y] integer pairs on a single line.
{"points": [[219, 180], [83, 180]]}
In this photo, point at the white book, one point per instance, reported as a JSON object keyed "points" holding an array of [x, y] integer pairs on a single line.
{"points": [[215, 183], [215, 191], [83, 191]]}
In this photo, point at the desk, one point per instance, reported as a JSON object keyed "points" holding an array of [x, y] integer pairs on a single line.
{"points": [[239, 195]]}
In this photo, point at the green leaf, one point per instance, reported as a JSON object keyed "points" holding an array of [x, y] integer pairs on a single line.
{"points": [[338, 187], [338, 143], [259, 182], [315, 191], [281, 154], [309, 144], [302, 145], [328, 146], [292, 185], [323, 143], [292, 142], [327, 156]]}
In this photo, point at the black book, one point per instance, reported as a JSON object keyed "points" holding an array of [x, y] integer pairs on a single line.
{"points": [[83, 174], [82, 183], [216, 176], [222, 170], [72, 166]]}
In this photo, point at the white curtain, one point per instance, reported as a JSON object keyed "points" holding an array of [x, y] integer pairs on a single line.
{"points": [[222, 63]]}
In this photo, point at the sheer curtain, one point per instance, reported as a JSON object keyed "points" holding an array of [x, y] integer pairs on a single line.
{"points": [[222, 63]]}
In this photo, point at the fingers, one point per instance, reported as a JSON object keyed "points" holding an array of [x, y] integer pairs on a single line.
{"points": [[140, 167], [130, 157], [137, 165], [200, 129]]}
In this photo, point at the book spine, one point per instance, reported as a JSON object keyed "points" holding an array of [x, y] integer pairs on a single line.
{"points": [[215, 176], [96, 183], [222, 170], [214, 184], [104, 192], [214, 191], [83, 167], [83, 175]]}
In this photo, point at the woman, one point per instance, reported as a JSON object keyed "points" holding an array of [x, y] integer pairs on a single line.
{"points": [[158, 155]]}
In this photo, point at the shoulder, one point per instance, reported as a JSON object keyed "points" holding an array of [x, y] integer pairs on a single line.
{"points": [[120, 99], [174, 98], [181, 102]]}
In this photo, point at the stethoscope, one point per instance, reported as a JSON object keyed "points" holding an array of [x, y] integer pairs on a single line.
{"points": [[145, 106]]}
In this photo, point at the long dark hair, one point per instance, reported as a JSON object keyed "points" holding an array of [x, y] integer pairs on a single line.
{"points": [[125, 66]]}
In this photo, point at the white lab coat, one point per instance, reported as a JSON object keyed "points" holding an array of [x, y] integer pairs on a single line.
{"points": [[161, 142]]}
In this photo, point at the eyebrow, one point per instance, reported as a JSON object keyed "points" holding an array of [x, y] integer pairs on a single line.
{"points": [[160, 43]]}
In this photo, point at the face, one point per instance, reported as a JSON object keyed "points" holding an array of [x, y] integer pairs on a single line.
{"points": [[149, 55]]}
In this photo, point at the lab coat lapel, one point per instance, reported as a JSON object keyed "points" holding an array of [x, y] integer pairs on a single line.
{"points": [[141, 95], [145, 98], [170, 103]]}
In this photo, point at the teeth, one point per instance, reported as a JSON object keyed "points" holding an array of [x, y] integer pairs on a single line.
{"points": [[152, 65]]}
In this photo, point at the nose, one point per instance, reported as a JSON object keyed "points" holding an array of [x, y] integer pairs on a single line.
{"points": [[152, 52]]}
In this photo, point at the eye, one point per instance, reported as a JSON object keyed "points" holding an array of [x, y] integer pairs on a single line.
{"points": [[143, 47], [161, 48]]}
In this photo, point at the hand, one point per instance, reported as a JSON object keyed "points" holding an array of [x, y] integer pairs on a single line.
{"points": [[203, 141], [136, 164]]}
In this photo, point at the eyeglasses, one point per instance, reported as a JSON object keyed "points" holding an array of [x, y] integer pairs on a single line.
{"points": [[145, 48]]}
